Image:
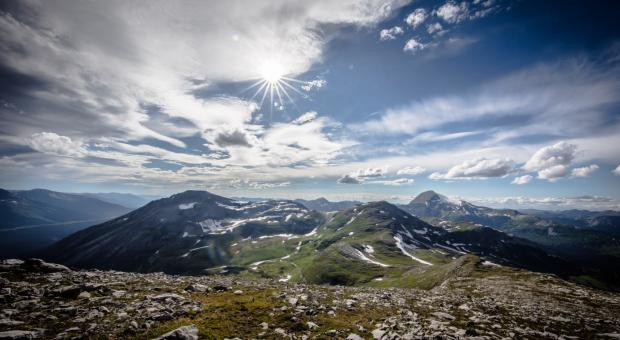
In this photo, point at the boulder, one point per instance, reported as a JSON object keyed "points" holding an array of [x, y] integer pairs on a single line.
{"points": [[181, 333], [42, 266], [18, 335]]}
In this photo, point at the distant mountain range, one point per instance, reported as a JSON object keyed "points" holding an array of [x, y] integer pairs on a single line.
{"points": [[39, 206], [123, 199], [323, 205], [588, 239], [414, 245], [196, 232], [33, 219]]}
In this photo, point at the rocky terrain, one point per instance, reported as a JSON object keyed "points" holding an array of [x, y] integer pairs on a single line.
{"points": [[43, 300]]}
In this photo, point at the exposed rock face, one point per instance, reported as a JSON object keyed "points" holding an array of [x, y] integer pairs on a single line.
{"points": [[36, 304], [181, 333]]}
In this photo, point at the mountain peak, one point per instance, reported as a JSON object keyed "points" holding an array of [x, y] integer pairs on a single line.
{"points": [[426, 196], [199, 195]]}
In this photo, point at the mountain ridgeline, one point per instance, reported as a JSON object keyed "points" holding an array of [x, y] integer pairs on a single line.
{"points": [[31, 220], [39, 206], [588, 240], [374, 244]]}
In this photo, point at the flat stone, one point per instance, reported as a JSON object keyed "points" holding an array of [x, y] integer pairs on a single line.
{"points": [[182, 333]]}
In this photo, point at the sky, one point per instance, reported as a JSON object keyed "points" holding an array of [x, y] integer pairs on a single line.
{"points": [[506, 103]]}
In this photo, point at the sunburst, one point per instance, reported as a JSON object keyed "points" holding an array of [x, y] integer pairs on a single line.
{"points": [[273, 84]]}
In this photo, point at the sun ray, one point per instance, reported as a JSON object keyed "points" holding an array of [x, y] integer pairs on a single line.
{"points": [[277, 85]]}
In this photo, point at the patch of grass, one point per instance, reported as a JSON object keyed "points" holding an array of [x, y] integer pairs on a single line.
{"points": [[226, 315]]}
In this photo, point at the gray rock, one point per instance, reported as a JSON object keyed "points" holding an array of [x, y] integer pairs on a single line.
{"points": [[18, 335], [197, 288], [42, 266], [444, 316], [9, 322], [181, 333]]}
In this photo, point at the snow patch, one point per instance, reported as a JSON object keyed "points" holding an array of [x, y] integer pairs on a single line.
{"points": [[369, 249], [185, 206], [401, 245], [366, 259], [286, 278], [286, 236], [193, 250], [313, 232]]}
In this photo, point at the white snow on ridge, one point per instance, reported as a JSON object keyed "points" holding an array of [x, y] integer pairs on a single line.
{"points": [[401, 245], [313, 232], [421, 232], [185, 206], [286, 236], [366, 259], [193, 250], [450, 248], [369, 249], [254, 266]]}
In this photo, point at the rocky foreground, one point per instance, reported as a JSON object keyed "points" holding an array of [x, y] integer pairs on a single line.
{"points": [[43, 300]]}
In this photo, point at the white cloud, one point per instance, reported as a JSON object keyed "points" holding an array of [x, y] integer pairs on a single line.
{"points": [[313, 84], [552, 161], [552, 173], [370, 172], [395, 182], [413, 46], [363, 175], [435, 28], [616, 171], [522, 179], [391, 33], [123, 72], [348, 179], [441, 137], [417, 17], [54, 144], [411, 170], [306, 117], [584, 171], [452, 12], [477, 169], [543, 95], [578, 202]]}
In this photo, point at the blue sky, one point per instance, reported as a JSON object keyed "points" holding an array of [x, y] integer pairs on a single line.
{"points": [[506, 103]]}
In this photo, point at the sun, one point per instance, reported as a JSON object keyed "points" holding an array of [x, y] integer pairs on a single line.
{"points": [[274, 83], [271, 71]]}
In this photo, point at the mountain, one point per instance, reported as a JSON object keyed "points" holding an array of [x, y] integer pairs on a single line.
{"points": [[432, 205], [34, 219], [378, 243], [39, 206], [185, 233], [196, 232], [586, 239], [323, 205], [126, 200]]}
